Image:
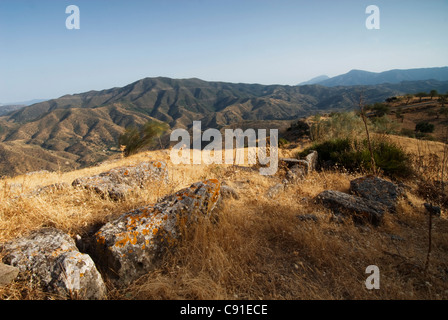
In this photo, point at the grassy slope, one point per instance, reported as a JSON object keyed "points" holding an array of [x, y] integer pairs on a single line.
{"points": [[258, 249], [425, 111]]}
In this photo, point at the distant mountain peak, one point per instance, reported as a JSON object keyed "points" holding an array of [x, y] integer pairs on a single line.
{"points": [[315, 80], [361, 77], [359, 71]]}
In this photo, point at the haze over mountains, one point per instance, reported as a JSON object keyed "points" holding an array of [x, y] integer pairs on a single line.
{"points": [[81, 129], [315, 80], [360, 77], [6, 108]]}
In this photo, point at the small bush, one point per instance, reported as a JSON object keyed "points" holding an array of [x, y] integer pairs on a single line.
{"points": [[384, 125], [424, 127], [134, 139], [300, 126], [391, 158], [354, 155], [379, 109], [339, 126]]}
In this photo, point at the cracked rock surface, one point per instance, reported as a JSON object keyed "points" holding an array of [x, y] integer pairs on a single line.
{"points": [[52, 259], [130, 246]]}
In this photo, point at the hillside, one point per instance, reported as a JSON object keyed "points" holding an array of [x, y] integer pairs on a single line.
{"points": [[4, 110], [78, 130], [283, 246]]}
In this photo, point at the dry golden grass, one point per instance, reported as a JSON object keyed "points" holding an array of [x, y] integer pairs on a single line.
{"points": [[257, 248]]}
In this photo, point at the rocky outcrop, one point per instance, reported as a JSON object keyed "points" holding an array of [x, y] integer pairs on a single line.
{"points": [[376, 189], [118, 182], [125, 248], [299, 169], [371, 197], [360, 209], [51, 258], [312, 160], [130, 246]]}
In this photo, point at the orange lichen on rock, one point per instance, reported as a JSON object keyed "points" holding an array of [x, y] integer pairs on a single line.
{"points": [[151, 230], [157, 164]]}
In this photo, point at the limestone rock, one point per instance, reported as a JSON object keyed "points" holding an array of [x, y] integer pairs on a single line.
{"points": [[300, 168], [312, 161], [376, 189], [131, 245], [7, 274], [290, 163], [53, 260], [116, 183], [359, 208]]}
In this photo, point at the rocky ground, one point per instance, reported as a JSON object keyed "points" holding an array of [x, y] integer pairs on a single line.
{"points": [[150, 230]]}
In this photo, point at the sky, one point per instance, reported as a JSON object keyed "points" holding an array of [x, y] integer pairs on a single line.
{"points": [[240, 41]]}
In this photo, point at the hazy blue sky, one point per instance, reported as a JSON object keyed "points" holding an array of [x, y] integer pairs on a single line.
{"points": [[252, 41]]}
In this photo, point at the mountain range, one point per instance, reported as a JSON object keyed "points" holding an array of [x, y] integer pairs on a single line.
{"points": [[79, 130], [361, 77]]}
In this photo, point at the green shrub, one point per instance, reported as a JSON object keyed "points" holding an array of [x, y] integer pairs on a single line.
{"points": [[424, 127], [338, 126], [379, 109], [384, 125], [391, 158], [134, 139], [301, 127], [354, 155]]}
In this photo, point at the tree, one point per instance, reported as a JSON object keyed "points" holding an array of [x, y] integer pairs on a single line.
{"points": [[391, 99], [421, 95], [134, 139], [380, 109], [424, 127], [433, 93]]}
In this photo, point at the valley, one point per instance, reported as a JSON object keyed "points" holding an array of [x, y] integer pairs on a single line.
{"points": [[79, 130]]}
